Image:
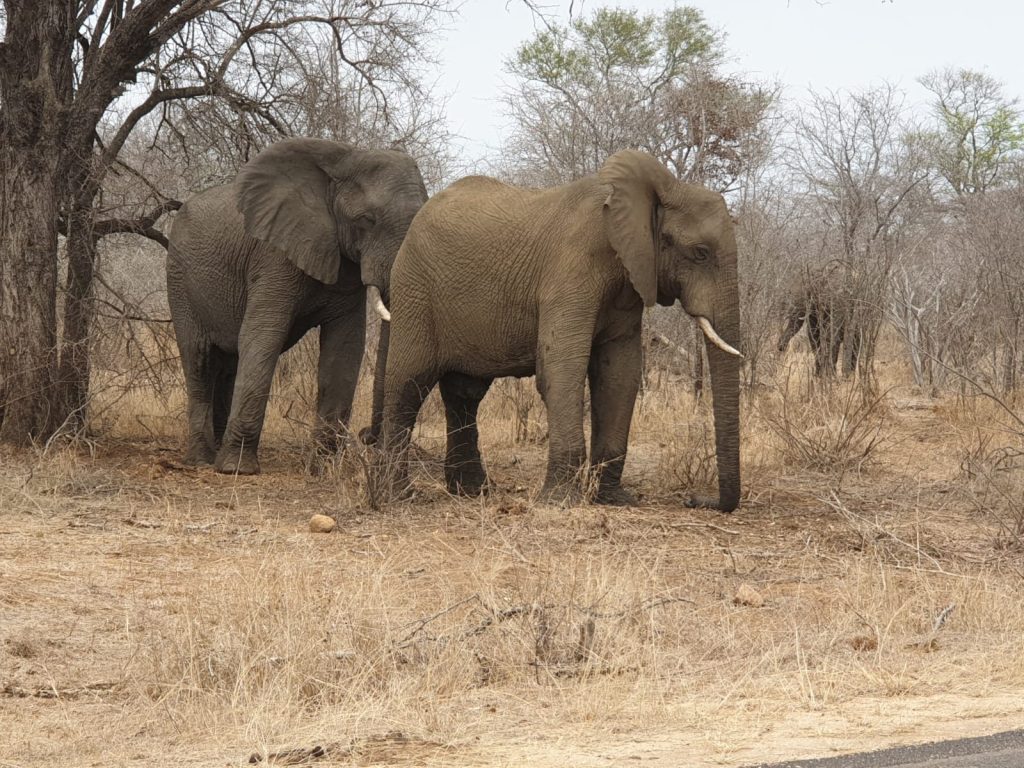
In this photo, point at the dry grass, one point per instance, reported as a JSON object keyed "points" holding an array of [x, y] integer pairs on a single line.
{"points": [[154, 615]]}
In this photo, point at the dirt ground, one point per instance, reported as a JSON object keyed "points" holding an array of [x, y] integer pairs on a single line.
{"points": [[153, 614]]}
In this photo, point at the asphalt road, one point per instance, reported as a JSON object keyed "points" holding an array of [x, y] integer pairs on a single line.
{"points": [[1003, 750]]}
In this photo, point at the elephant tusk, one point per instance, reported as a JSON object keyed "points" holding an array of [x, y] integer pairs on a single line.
{"points": [[714, 338], [378, 304]]}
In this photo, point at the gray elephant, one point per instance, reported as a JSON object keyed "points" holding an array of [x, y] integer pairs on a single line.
{"points": [[291, 244], [823, 300], [494, 280]]}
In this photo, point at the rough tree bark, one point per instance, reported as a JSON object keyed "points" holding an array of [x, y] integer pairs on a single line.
{"points": [[47, 138], [35, 80], [73, 369]]}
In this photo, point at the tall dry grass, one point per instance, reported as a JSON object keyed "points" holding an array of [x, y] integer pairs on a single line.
{"points": [[478, 628]]}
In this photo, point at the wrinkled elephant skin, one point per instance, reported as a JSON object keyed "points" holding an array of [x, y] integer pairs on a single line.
{"points": [[494, 280], [291, 244]]}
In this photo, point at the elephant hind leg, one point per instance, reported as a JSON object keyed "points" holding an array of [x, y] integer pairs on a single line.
{"points": [[463, 467], [195, 350], [223, 367]]}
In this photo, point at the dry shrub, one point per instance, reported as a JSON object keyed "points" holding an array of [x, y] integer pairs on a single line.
{"points": [[688, 462], [835, 428], [517, 402], [272, 637], [270, 643], [993, 482]]}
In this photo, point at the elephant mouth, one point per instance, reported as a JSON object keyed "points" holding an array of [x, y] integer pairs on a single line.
{"points": [[378, 303], [714, 338]]}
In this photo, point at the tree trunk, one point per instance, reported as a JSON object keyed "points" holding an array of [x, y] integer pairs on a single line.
{"points": [[35, 89], [28, 291], [1009, 375], [74, 368]]}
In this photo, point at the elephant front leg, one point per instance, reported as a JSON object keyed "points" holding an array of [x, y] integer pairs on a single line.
{"points": [[262, 337], [562, 362], [463, 468], [819, 334], [403, 397], [614, 373], [342, 342]]}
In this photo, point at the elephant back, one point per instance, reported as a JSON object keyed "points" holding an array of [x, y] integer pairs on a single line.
{"points": [[204, 222]]}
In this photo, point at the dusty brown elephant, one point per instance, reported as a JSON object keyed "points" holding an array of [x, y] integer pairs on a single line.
{"points": [[824, 300], [494, 280]]}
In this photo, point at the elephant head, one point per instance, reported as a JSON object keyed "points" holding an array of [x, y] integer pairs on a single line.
{"points": [[795, 311], [321, 201], [677, 241]]}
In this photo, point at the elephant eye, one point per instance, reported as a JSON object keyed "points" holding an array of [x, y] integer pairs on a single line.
{"points": [[701, 253], [366, 220]]}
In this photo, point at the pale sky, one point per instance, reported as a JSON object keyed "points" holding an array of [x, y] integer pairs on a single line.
{"points": [[840, 44]]}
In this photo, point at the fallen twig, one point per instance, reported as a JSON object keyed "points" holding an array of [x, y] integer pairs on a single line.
{"points": [[712, 526], [336, 750], [495, 616], [141, 523], [50, 692], [201, 527]]}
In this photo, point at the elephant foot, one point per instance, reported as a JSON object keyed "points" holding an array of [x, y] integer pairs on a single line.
{"points": [[326, 450], [465, 476], [318, 462], [384, 492], [237, 462], [705, 502], [465, 484], [198, 455], [561, 495], [615, 496]]}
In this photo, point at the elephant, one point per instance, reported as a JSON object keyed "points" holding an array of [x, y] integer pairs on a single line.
{"points": [[824, 301], [307, 228], [494, 280]]}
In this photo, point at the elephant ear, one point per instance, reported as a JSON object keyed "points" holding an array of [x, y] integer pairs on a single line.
{"points": [[632, 215], [285, 197]]}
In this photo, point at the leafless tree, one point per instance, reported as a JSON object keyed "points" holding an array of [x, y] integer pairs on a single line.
{"points": [[859, 178], [77, 80]]}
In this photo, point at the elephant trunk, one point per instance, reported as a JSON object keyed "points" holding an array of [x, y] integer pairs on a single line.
{"points": [[377, 278], [725, 390]]}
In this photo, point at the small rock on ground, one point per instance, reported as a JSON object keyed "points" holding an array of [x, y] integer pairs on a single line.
{"points": [[321, 524], [747, 595]]}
